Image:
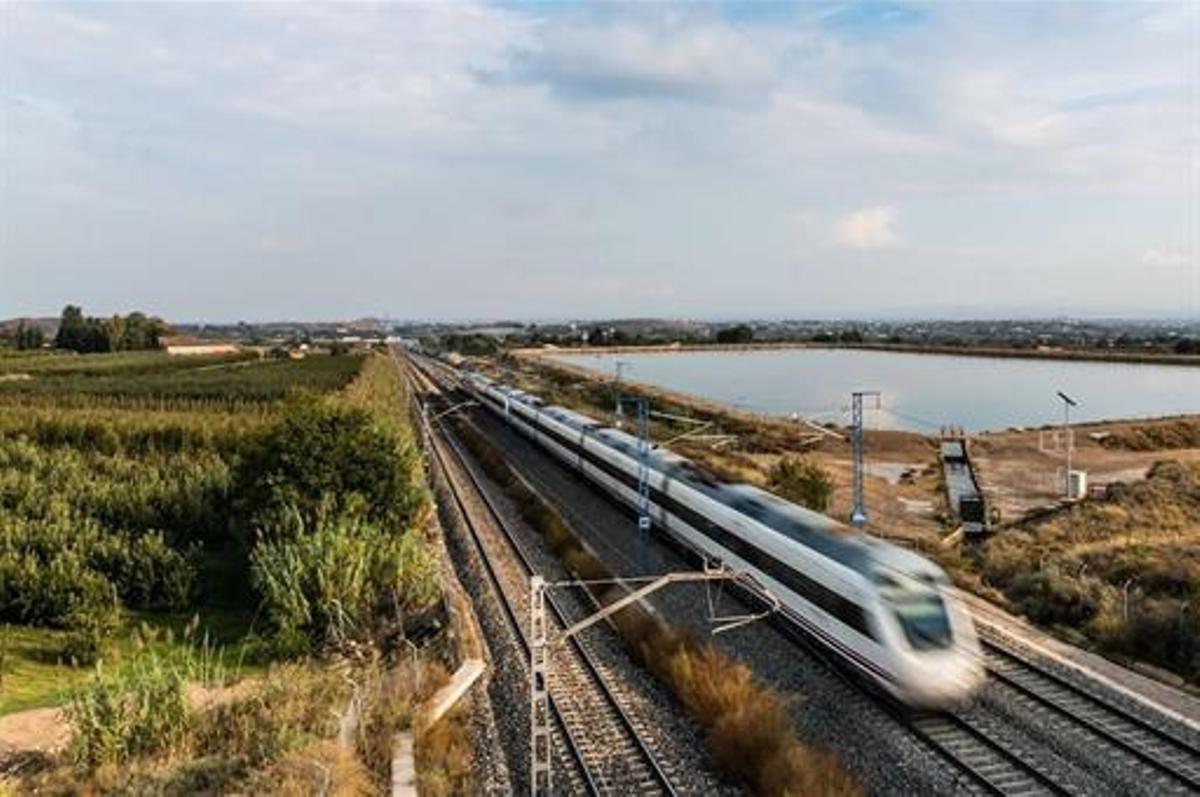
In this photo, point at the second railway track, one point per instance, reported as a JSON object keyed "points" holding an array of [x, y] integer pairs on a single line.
{"points": [[1168, 758], [606, 741]]}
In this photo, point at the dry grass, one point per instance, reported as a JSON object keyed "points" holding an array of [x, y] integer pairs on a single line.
{"points": [[444, 755], [1073, 568], [1182, 433], [278, 735]]}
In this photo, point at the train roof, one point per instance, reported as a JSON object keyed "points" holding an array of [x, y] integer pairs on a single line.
{"points": [[887, 557], [660, 459], [571, 418], [814, 530], [819, 532]]}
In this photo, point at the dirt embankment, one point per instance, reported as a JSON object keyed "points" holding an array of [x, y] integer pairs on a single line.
{"points": [[1023, 471]]}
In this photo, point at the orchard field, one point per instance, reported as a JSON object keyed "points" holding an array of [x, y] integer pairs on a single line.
{"points": [[126, 498]]}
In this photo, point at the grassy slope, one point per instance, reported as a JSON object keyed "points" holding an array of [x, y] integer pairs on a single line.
{"points": [[1073, 568]]}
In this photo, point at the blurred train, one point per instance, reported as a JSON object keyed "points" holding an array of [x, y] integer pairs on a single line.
{"points": [[889, 613]]}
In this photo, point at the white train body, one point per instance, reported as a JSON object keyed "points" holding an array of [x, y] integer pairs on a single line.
{"points": [[889, 613]]}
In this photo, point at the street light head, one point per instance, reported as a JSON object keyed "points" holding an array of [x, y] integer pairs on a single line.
{"points": [[1067, 399]]}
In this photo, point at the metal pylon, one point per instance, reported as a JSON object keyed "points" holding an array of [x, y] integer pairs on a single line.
{"points": [[859, 516], [539, 691]]}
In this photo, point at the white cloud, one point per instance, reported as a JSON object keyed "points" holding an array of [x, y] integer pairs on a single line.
{"points": [[868, 228], [1165, 257]]}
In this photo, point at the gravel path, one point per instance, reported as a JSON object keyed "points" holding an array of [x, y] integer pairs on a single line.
{"points": [[507, 687]]}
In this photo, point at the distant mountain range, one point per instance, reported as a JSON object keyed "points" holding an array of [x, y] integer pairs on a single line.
{"points": [[49, 326]]}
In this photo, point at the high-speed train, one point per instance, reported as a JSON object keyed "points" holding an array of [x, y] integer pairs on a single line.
{"points": [[886, 611]]}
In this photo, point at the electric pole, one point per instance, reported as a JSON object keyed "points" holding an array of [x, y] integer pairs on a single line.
{"points": [[858, 516], [642, 407]]}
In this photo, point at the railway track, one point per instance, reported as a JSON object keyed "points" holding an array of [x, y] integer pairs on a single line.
{"points": [[973, 747], [1170, 760], [606, 743]]}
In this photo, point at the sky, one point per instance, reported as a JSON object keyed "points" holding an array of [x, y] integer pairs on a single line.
{"points": [[481, 160]]}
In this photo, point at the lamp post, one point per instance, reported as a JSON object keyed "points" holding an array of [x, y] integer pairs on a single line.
{"points": [[619, 367], [1125, 598], [1068, 403]]}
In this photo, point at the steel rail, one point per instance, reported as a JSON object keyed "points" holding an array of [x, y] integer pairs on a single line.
{"points": [[573, 746], [1160, 752]]}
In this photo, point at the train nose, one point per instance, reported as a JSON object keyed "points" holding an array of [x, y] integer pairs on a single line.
{"points": [[945, 683]]}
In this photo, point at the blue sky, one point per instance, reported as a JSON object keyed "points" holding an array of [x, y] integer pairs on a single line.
{"points": [[481, 160]]}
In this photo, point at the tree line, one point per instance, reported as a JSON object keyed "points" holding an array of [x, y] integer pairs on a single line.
{"points": [[133, 332]]}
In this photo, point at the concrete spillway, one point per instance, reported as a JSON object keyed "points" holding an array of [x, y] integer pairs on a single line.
{"points": [[963, 495]]}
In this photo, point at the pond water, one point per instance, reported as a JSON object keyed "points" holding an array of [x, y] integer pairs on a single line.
{"points": [[921, 392]]}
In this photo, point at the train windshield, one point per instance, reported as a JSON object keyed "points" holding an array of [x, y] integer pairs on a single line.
{"points": [[923, 618]]}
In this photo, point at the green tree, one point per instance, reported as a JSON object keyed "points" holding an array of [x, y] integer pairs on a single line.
{"points": [[742, 333], [321, 460], [72, 328], [803, 482]]}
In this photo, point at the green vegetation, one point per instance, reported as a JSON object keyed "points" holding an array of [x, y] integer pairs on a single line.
{"points": [[172, 724], [748, 731], [27, 337], [336, 579], [319, 460], [141, 708], [741, 333], [106, 509], [157, 379], [472, 345], [1123, 572], [802, 481]]}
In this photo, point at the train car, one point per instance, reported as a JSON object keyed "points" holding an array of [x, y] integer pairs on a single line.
{"points": [[887, 612]]}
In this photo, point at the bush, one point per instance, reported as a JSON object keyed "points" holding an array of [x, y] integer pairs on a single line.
{"points": [[803, 482], [320, 459], [141, 709], [1162, 631], [59, 570], [332, 580], [1050, 597]]}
